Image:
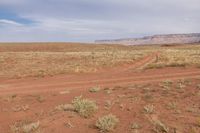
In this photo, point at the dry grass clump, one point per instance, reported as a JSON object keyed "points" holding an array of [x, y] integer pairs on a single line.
{"points": [[65, 107], [108, 104], [84, 107], [18, 108], [64, 92], [107, 123], [149, 109], [160, 127], [168, 82], [31, 127], [40, 98], [95, 89], [172, 105], [25, 127], [180, 86], [135, 126]]}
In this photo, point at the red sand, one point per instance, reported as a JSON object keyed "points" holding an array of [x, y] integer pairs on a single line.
{"points": [[128, 100]]}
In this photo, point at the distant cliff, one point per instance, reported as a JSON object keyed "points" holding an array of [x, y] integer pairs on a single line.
{"points": [[156, 39]]}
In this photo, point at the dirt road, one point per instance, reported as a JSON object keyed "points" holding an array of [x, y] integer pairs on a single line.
{"points": [[115, 77]]}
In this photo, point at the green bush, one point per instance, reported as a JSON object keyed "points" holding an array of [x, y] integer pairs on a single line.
{"points": [[107, 123], [84, 107]]}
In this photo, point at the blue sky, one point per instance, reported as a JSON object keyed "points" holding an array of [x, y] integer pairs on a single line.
{"points": [[89, 20]]}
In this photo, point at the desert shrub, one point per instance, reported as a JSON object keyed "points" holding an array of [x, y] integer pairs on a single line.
{"points": [[172, 105], [107, 123], [84, 107], [25, 127], [31, 127], [168, 82], [149, 109], [160, 127], [95, 89], [135, 126]]}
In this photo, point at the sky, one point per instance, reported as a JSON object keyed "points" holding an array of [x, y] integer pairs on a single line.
{"points": [[89, 20]]}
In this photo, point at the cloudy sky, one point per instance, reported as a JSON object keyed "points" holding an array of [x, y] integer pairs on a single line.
{"points": [[88, 20]]}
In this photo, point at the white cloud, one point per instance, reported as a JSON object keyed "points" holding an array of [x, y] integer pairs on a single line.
{"points": [[9, 22], [50, 29]]}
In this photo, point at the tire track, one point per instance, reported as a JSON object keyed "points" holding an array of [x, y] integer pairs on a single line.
{"points": [[123, 76], [143, 62], [102, 82]]}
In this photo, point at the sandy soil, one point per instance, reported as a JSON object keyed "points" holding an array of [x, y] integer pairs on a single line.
{"points": [[127, 89]]}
